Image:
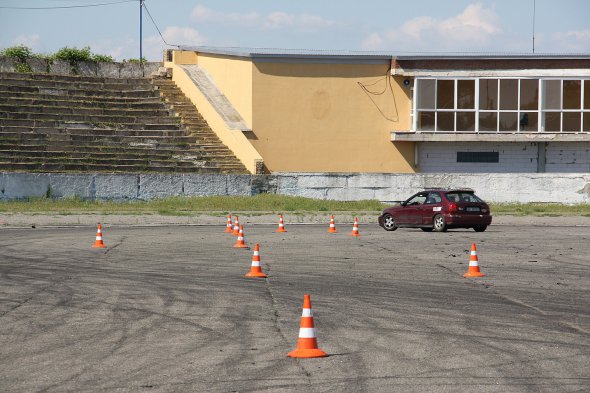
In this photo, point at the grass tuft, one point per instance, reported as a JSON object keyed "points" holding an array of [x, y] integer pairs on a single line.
{"points": [[267, 203], [188, 205]]}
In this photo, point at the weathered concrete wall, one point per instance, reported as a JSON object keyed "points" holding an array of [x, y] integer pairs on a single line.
{"points": [[493, 187], [83, 68]]}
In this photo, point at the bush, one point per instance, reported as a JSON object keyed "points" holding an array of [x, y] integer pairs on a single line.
{"points": [[102, 58], [74, 54], [136, 61], [21, 52]]}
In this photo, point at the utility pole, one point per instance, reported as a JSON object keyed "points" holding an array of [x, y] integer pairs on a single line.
{"points": [[140, 33], [534, 10]]}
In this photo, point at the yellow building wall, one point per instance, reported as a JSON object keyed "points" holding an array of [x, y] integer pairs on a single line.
{"points": [[235, 140], [233, 76], [329, 118]]}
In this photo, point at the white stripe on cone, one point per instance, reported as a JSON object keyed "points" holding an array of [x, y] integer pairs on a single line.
{"points": [[307, 333]]}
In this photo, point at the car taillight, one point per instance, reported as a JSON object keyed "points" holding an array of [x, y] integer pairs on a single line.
{"points": [[452, 207]]}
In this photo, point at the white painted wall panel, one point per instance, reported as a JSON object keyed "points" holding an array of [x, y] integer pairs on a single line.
{"points": [[568, 157], [441, 157]]}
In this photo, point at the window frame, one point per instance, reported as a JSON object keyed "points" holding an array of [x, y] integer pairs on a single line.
{"points": [[540, 112]]}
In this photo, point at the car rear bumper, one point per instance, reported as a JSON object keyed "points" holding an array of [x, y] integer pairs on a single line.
{"points": [[468, 220]]}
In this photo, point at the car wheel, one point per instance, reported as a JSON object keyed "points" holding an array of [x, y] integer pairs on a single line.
{"points": [[428, 229], [440, 224], [480, 228], [389, 223]]}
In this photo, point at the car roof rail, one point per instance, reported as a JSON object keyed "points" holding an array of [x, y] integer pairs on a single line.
{"points": [[450, 189]]}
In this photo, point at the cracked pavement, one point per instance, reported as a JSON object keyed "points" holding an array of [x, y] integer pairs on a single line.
{"points": [[167, 309]]}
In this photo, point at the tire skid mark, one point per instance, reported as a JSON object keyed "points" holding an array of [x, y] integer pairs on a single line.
{"points": [[275, 321], [35, 294], [568, 325], [109, 249]]}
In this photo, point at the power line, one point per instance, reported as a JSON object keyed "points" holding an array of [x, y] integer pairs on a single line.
{"points": [[156, 26], [69, 6]]}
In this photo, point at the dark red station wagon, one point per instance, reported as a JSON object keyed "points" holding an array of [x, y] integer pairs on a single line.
{"points": [[438, 209]]}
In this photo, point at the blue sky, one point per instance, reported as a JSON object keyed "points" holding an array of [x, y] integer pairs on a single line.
{"points": [[393, 26]]}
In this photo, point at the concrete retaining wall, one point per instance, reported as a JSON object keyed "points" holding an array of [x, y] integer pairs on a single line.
{"points": [[83, 68], [522, 188]]}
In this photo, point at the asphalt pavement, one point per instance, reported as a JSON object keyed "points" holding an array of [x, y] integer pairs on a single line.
{"points": [[168, 309]]}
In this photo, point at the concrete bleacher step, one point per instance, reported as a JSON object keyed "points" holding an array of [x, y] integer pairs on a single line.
{"points": [[81, 118], [89, 111], [77, 124], [72, 78], [73, 84], [66, 91], [106, 168], [70, 123], [151, 97], [154, 104]]}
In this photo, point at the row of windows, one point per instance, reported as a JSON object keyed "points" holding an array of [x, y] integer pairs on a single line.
{"points": [[502, 105]]}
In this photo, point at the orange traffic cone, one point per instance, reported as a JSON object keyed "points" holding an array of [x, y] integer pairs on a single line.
{"points": [[98, 243], [473, 264], [236, 231], [307, 345], [240, 240], [332, 228], [255, 270], [281, 224], [355, 228], [228, 226]]}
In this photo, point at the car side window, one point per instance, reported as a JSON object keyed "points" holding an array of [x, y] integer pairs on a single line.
{"points": [[417, 200], [453, 197], [433, 198]]}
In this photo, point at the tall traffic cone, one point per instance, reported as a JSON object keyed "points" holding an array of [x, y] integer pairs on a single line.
{"points": [[307, 345], [98, 243], [355, 228], [332, 228], [255, 269], [240, 240], [473, 264], [281, 224], [228, 226], [236, 230]]}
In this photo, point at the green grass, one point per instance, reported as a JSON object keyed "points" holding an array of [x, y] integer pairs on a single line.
{"points": [[540, 209], [180, 206], [259, 204]]}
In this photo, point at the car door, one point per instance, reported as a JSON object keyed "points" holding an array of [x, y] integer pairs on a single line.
{"points": [[411, 214], [432, 206]]}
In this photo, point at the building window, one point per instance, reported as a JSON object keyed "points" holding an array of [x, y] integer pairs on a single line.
{"points": [[502, 105], [478, 156]]}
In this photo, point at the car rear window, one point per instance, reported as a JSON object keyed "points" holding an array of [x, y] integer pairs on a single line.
{"points": [[462, 196]]}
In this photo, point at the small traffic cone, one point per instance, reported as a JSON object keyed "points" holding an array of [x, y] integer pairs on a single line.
{"points": [[355, 228], [240, 240], [228, 226], [281, 224], [236, 231], [98, 243], [332, 228], [307, 345], [473, 264], [255, 269]]}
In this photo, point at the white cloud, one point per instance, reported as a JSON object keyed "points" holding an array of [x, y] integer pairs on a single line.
{"points": [[572, 41], [272, 21], [30, 40], [117, 49], [174, 35], [372, 42], [474, 26]]}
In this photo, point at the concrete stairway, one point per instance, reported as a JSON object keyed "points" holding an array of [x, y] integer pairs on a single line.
{"points": [[57, 123], [196, 125]]}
